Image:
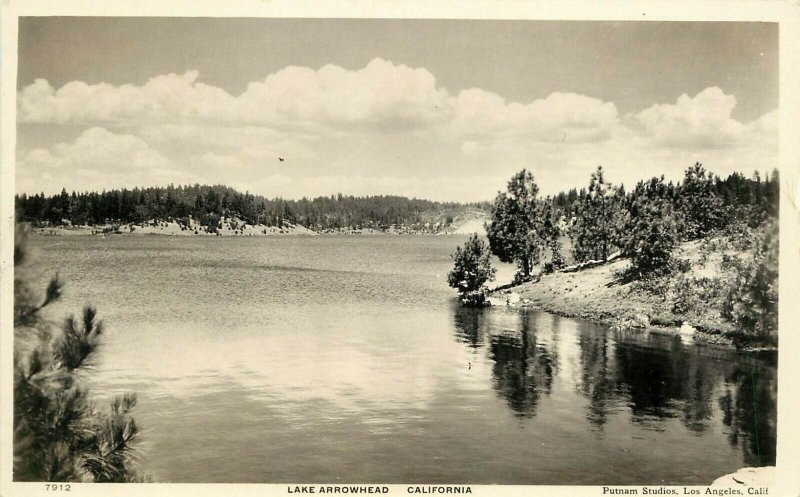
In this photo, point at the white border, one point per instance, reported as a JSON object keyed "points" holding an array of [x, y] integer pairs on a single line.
{"points": [[787, 13]]}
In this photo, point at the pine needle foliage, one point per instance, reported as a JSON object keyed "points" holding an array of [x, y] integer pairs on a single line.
{"points": [[516, 224], [752, 301], [59, 434], [472, 269], [551, 237], [595, 232], [650, 229], [700, 207]]}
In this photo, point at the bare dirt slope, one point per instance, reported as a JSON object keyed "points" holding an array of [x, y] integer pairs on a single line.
{"points": [[590, 293], [597, 293]]}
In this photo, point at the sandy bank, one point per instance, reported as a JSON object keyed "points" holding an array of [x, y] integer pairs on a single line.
{"points": [[595, 293], [472, 221]]}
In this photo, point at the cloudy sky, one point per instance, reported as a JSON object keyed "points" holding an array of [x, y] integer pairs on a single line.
{"points": [[446, 110]]}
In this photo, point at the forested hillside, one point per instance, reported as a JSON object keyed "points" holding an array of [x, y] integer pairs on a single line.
{"points": [[734, 191], [208, 204], [704, 250]]}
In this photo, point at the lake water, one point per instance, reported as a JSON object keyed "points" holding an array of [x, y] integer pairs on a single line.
{"points": [[347, 359]]}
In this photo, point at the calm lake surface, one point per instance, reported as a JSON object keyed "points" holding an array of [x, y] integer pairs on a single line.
{"points": [[347, 359]]}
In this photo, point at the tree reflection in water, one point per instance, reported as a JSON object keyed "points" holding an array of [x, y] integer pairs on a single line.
{"points": [[654, 377], [523, 369], [665, 379], [748, 406], [470, 324], [595, 383]]}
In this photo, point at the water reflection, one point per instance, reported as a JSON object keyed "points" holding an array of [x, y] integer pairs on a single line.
{"points": [[522, 367], [666, 381], [649, 378], [368, 374], [470, 325], [595, 368], [748, 406]]}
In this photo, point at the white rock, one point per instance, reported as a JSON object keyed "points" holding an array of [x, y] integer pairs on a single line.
{"points": [[750, 477], [513, 298], [687, 329], [495, 301], [641, 320]]}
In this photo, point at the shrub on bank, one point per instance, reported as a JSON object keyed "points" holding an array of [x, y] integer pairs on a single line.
{"points": [[739, 299], [472, 269], [752, 300], [476, 298], [695, 295]]}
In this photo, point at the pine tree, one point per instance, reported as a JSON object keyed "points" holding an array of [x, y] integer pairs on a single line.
{"points": [[700, 207], [650, 231], [551, 237], [471, 270], [514, 230], [59, 435], [595, 232]]}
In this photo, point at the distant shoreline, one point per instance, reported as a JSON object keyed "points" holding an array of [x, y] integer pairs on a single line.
{"points": [[470, 222], [254, 231]]}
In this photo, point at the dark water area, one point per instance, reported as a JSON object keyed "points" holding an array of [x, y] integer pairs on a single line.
{"points": [[348, 359]]}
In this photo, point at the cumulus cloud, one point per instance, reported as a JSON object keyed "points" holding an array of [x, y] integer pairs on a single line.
{"points": [[765, 127], [560, 116], [702, 121], [166, 98], [383, 128], [381, 95], [97, 158], [100, 149]]}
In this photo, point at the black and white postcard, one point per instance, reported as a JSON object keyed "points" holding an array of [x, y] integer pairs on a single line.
{"points": [[490, 248]]}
